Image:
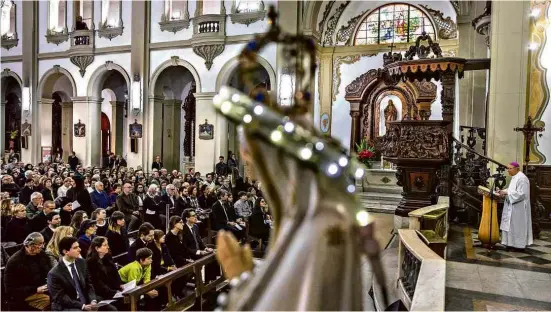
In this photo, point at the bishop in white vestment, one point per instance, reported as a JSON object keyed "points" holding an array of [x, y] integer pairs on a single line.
{"points": [[516, 219]]}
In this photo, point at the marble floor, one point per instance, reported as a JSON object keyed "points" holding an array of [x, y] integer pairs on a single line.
{"points": [[490, 280], [384, 223]]}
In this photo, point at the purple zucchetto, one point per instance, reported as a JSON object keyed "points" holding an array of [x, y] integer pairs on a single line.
{"points": [[515, 164]]}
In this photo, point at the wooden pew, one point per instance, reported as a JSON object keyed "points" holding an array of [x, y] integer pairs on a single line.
{"points": [[167, 279]]}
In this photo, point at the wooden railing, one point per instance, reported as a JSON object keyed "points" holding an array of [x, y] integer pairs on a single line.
{"points": [[421, 274], [166, 280]]}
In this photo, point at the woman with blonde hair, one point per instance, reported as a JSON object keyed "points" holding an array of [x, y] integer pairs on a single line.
{"points": [[52, 250]]}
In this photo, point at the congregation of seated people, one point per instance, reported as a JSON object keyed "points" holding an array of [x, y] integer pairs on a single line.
{"points": [[72, 236]]}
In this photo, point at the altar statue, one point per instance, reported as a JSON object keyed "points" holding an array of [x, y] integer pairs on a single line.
{"points": [[390, 112], [320, 233]]}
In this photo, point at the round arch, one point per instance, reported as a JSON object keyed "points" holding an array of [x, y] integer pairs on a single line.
{"points": [[8, 73], [227, 70], [53, 71], [369, 12], [174, 61], [95, 84]]}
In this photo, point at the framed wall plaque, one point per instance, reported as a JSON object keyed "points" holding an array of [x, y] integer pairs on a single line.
{"points": [[135, 130], [80, 129], [26, 129], [206, 131]]}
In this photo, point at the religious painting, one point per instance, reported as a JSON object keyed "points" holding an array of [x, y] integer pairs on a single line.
{"points": [[206, 131], [46, 153], [324, 123], [26, 129], [80, 129], [390, 109], [135, 130]]}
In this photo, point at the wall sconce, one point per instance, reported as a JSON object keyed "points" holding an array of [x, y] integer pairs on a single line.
{"points": [[286, 89], [26, 100], [136, 95]]}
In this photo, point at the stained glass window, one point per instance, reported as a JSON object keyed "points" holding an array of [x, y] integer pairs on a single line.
{"points": [[393, 23]]}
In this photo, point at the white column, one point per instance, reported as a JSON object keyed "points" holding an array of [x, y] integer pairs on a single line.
{"points": [[88, 148], [117, 127], [171, 134], [508, 76], [207, 151], [45, 108], [67, 129], [154, 131], [2, 127]]}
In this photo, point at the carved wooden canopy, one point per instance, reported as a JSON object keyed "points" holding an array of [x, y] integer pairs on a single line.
{"points": [[367, 91]]}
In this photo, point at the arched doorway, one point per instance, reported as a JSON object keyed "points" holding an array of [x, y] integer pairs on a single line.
{"points": [[174, 117], [12, 118], [261, 84], [114, 92], [55, 92], [105, 134], [56, 125]]}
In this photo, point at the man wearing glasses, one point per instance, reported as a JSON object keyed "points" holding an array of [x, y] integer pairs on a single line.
{"points": [[25, 275], [128, 203]]}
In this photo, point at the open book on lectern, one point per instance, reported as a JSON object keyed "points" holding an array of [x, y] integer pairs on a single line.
{"points": [[486, 191]]}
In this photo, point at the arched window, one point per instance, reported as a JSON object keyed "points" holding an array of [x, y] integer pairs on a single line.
{"points": [[8, 18], [393, 23], [247, 6], [57, 16]]}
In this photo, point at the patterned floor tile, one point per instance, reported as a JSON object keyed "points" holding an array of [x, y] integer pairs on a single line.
{"points": [[535, 260], [543, 249], [494, 255]]}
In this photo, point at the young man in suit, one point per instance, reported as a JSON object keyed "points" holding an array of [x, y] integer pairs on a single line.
{"points": [[145, 233], [224, 216], [69, 281], [192, 240]]}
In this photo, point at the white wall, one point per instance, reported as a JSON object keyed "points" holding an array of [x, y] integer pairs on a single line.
{"points": [[544, 141], [16, 67], [44, 46], [157, 9], [126, 37], [106, 107], [17, 50], [207, 77]]}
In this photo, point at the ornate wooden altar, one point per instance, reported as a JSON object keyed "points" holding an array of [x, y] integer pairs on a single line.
{"points": [[420, 147]]}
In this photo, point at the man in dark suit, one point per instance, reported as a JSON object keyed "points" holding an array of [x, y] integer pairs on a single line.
{"points": [[145, 236], [73, 161], [197, 249], [224, 216], [221, 168], [69, 282], [157, 164], [192, 239]]}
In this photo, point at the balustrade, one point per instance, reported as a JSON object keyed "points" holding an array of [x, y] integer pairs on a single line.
{"points": [[474, 137], [469, 170], [209, 27]]}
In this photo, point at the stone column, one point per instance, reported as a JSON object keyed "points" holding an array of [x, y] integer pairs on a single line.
{"points": [[117, 127], [88, 148], [472, 88], [29, 62], [155, 130], [45, 130], [288, 22], [171, 134], [67, 129], [207, 151], [3, 144], [508, 78]]}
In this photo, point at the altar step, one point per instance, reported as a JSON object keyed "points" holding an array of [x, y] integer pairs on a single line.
{"points": [[380, 200]]}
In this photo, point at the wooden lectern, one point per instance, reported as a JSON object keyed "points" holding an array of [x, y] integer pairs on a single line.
{"points": [[488, 232]]}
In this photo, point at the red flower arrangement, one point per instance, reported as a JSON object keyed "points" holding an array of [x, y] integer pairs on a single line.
{"points": [[366, 153]]}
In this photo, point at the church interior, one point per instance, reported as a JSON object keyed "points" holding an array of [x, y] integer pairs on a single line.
{"points": [[344, 155]]}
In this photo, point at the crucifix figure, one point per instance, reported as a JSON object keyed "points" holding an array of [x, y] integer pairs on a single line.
{"points": [[528, 130]]}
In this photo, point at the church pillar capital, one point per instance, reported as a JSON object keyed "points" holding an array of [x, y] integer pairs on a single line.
{"points": [[118, 104], [46, 101]]}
